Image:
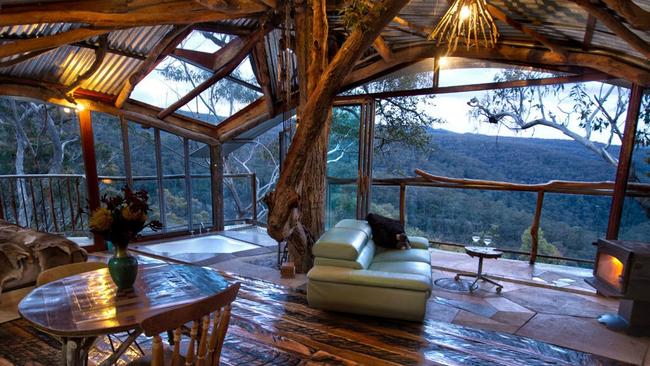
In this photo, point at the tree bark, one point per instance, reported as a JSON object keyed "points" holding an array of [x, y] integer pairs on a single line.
{"points": [[297, 204]]}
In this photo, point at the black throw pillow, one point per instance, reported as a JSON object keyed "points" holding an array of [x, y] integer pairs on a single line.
{"points": [[387, 233]]}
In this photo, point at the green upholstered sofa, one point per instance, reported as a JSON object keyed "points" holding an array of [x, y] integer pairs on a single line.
{"points": [[351, 274]]}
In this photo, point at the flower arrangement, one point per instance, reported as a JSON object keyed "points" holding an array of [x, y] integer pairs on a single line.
{"points": [[123, 217]]}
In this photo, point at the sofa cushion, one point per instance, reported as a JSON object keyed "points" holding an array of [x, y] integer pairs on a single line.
{"points": [[372, 278], [361, 225], [340, 243], [362, 262], [415, 268], [409, 255], [419, 242]]}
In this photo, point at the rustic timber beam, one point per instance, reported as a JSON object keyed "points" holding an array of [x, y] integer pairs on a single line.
{"points": [[100, 54], [500, 15], [383, 49], [222, 28], [589, 32], [124, 13], [602, 14], [635, 15], [423, 31], [206, 61], [249, 117], [596, 76], [48, 42], [609, 64], [263, 75], [155, 56], [24, 57], [226, 60], [133, 111], [227, 6]]}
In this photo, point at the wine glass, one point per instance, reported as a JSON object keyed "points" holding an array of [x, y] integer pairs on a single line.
{"points": [[476, 237], [487, 239]]}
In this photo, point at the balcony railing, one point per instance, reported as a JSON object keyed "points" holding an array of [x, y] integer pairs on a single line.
{"points": [[45, 202], [560, 187], [58, 203]]}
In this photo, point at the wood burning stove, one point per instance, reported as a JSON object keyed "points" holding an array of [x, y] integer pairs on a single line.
{"points": [[622, 270]]}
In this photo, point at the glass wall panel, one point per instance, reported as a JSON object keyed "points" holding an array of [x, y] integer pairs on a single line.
{"points": [[201, 204], [109, 152], [174, 188], [385, 201], [343, 163]]}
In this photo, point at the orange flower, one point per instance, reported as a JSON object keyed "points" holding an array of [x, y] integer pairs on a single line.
{"points": [[101, 219]]}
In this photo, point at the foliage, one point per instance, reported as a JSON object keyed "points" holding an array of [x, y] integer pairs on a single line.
{"points": [[543, 246], [123, 217], [357, 13]]}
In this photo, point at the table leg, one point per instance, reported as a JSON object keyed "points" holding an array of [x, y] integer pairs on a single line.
{"points": [[75, 351]]}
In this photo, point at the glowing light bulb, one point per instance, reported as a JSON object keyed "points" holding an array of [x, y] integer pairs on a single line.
{"points": [[443, 61], [67, 110], [80, 107], [465, 12]]}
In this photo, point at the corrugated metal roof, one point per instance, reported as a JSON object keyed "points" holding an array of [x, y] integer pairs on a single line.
{"points": [[64, 64]]}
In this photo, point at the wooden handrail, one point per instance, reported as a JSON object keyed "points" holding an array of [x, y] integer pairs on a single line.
{"points": [[424, 179]]}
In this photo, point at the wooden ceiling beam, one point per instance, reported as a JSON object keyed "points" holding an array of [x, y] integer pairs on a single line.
{"points": [[132, 111], [206, 61], [23, 57], [500, 15], [601, 62], [589, 32], [635, 15], [417, 29], [602, 14], [383, 49], [227, 59], [249, 117], [222, 29], [100, 54], [263, 75], [135, 13], [155, 56], [48, 42]]}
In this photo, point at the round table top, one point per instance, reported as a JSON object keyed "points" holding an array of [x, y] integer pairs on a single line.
{"points": [[484, 252], [88, 304]]}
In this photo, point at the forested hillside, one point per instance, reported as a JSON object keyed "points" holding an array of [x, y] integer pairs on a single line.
{"points": [[570, 223]]}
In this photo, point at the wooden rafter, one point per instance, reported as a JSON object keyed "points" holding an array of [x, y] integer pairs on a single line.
{"points": [[263, 75], [23, 57], [383, 49], [227, 59], [133, 111], [250, 116], [222, 28], [602, 14], [595, 76], [602, 62], [48, 42], [635, 15], [127, 13], [415, 29], [206, 61], [500, 15], [100, 53], [156, 55], [589, 32]]}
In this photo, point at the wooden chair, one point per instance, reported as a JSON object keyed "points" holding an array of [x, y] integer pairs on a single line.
{"points": [[206, 336], [67, 270]]}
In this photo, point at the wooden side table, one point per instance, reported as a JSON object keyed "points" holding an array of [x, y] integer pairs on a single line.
{"points": [[481, 252]]}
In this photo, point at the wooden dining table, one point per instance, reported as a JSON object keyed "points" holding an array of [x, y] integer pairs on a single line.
{"points": [[80, 308]]}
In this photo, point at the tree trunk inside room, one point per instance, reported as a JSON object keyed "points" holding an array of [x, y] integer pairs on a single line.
{"points": [[296, 206]]}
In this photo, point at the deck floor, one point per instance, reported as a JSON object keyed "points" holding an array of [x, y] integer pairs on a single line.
{"points": [[528, 310], [273, 325]]}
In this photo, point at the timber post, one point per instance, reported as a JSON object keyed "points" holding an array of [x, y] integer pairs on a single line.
{"points": [[90, 168], [534, 228], [216, 178], [624, 162]]}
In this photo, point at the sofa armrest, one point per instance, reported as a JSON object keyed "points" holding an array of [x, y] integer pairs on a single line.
{"points": [[364, 277], [419, 242]]}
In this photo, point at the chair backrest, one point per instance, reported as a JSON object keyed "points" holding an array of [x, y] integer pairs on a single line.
{"points": [[67, 270], [213, 329]]}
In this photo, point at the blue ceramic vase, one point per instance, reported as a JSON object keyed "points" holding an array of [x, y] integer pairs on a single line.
{"points": [[123, 268]]}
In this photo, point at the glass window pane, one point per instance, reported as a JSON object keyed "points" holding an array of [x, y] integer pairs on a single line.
{"points": [[201, 204], [341, 203], [176, 207], [142, 146]]}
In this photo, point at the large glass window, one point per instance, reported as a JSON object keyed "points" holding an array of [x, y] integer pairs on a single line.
{"points": [[172, 151], [343, 163]]}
